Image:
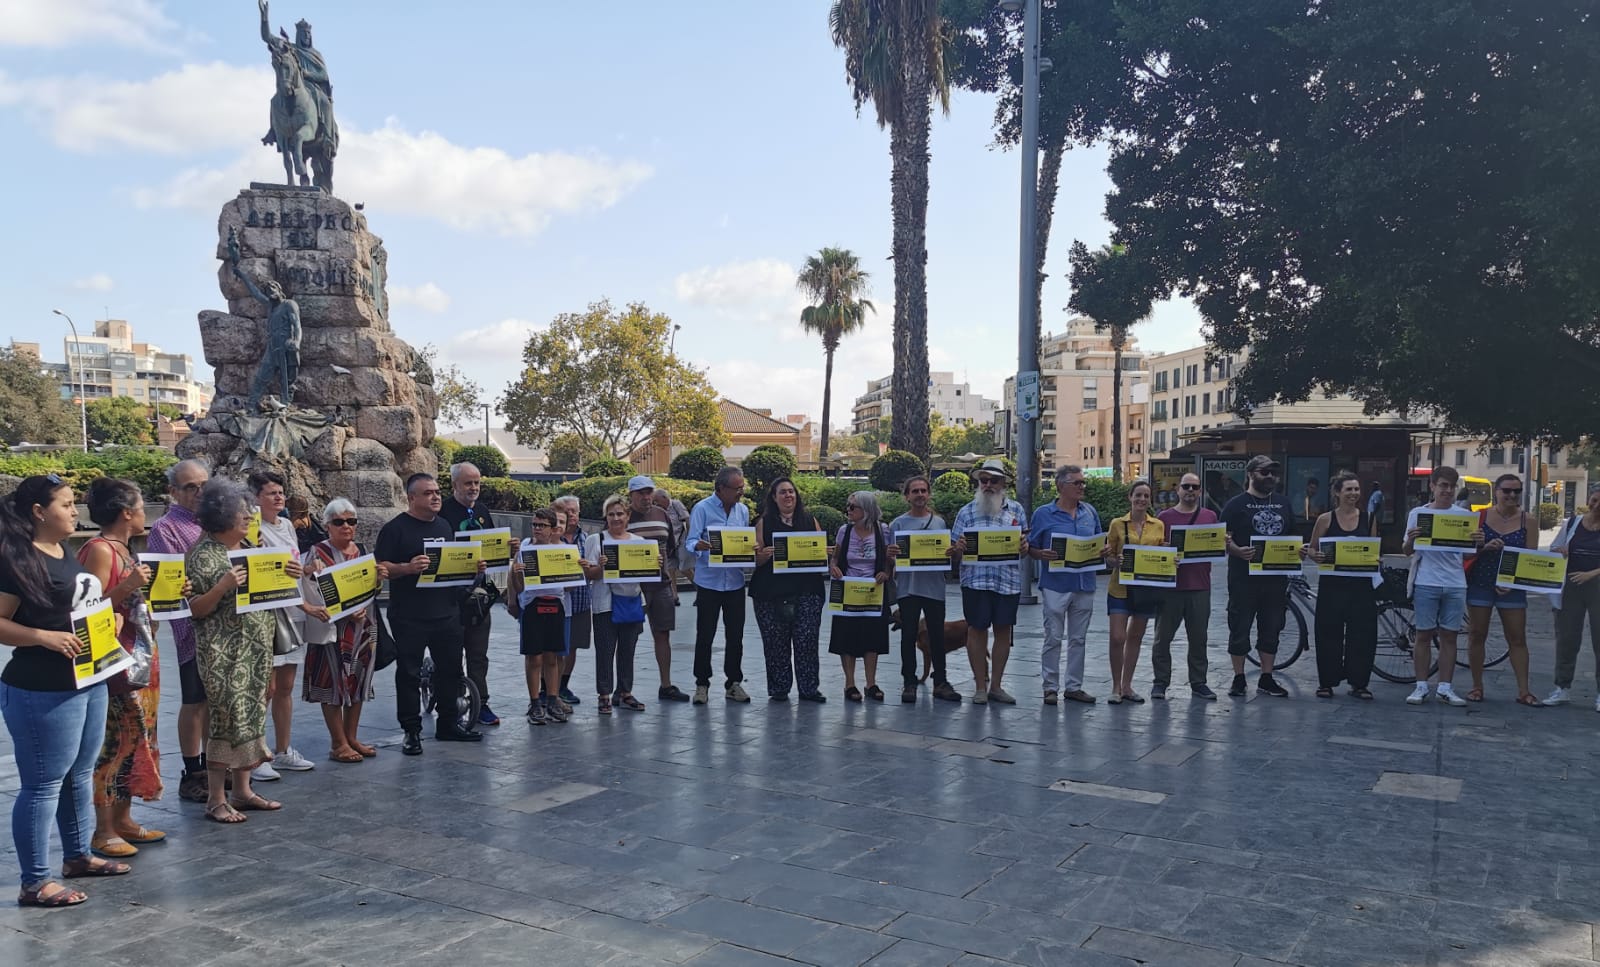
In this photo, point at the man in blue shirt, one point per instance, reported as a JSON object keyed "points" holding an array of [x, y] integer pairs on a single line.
{"points": [[1067, 596], [718, 589]]}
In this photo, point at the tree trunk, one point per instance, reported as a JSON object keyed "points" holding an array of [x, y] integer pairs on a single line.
{"points": [[1044, 209], [908, 183], [827, 401], [1119, 337]]}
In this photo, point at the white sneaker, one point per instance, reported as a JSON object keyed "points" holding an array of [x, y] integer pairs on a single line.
{"points": [[1448, 694], [1558, 697], [1419, 695], [293, 761], [264, 773]]}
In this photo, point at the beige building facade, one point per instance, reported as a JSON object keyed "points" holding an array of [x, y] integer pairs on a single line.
{"points": [[1077, 368], [109, 363]]}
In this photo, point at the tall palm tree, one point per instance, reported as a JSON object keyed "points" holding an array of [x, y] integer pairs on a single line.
{"points": [[1119, 341], [836, 285], [898, 56]]}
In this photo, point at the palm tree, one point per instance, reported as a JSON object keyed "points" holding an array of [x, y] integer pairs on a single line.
{"points": [[897, 55], [1119, 341], [836, 285]]}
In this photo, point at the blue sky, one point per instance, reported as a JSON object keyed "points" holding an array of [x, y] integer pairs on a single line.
{"points": [[520, 160]]}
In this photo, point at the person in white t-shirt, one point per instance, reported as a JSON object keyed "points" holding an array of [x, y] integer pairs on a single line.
{"points": [[1440, 597]]}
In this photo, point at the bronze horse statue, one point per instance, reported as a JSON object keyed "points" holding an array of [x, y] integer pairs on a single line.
{"points": [[305, 136]]}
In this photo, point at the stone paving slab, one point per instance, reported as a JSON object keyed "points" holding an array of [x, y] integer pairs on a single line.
{"points": [[1243, 832]]}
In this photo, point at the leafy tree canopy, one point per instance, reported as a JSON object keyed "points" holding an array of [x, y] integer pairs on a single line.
{"points": [[459, 398], [606, 376], [31, 407], [697, 463], [119, 421], [565, 453], [489, 460]]}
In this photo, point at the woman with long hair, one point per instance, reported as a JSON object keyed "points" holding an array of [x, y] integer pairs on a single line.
{"points": [[340, 654], [56, 728], [1129, 611], [1347, 607], [129, 762], [1505, 524], [862, 551], [788, 606]]}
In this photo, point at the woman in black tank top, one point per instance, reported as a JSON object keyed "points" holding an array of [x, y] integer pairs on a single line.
{"points": [[1347, 607]]}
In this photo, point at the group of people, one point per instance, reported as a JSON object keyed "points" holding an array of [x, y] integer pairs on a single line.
{"points": [[97, 745]]}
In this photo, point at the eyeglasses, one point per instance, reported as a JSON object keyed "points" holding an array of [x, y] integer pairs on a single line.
{"points": [[852, 506], [1188, 486], [1074, 483], [539, 523], [991, 480], [191, 488], [1265, 473], [343, 522]]}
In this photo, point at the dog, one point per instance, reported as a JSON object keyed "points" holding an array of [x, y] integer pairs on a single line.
{"points": [[955, 638]]}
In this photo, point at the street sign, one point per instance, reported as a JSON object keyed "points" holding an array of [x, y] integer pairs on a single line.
{"points": [[1028, 395], [1105, 472]]}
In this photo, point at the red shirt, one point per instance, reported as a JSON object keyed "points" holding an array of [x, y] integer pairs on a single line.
{"points": [[1191, 577]]}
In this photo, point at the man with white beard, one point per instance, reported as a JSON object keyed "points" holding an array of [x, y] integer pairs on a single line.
{"points": [[990, 590]]}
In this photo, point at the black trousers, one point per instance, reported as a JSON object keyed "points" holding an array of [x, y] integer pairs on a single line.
{"points": [[1260, 601], [913, 608], [729, 605], [439, 637], [1347, 631]]}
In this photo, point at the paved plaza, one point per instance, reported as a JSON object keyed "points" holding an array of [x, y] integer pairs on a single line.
{"points": [[1236, 833]]}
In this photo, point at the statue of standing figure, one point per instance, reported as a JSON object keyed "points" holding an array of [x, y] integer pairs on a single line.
{"points": [[280, 363], [302, 124]]}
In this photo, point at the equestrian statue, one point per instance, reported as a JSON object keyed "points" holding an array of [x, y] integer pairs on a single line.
{"points": [[303, 127]]}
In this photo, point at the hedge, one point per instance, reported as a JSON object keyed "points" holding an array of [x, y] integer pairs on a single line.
{"points": [[513, 496], [1549, 516], [830, 520], [445, 449], [593, 491], [147, 468], [607, 467], [696, 463], [894, 468], [953, 482], [489, 460], [765, 464]]}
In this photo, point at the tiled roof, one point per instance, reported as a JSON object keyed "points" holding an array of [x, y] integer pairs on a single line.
{"points": [[742, 419]]}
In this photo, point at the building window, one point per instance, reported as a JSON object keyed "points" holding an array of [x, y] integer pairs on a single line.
{"points": [[1461, 458], [1090, 404], [1497, 456], [1205, 402], [1177, 374], [1517, 455], [1553, 457]]}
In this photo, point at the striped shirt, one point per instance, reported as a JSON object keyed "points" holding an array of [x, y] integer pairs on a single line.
{"points": [[652, 524], [175, 533]]}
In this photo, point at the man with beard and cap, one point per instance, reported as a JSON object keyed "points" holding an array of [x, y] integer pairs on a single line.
{"points": [[990, 590]]}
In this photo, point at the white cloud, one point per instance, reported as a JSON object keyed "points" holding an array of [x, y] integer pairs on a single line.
{"points": [[737, 284], [98, 282], [501, 342], [62, 23], [428, 297]]}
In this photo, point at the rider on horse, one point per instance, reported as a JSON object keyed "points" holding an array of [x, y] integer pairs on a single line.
{"points": [[313, 70]]}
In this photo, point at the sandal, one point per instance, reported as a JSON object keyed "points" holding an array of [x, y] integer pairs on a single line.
{"points": [[1529, 699], [630, 703], [92, 866], [143, 835], [1324, 692], [852, 694], [605, 705], [116, 847], [62, 897], [346, 754], [1474, 695], [1362, 693], [875, 693], [257, 803], [227, 814], [366, 750]]}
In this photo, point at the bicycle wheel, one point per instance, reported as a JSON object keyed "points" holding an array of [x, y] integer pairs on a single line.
{"points": [[1396, 633], [1494, 652], [1295, 628]]}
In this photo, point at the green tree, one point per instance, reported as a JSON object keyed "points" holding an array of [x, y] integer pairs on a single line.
{"points": [[489, 460], [1359, 190], [893, 468], [837, 286], [31, 407], [607, 377], [565, 453], [697, 463], [460, 402], [119, 421], [765, 464], [1116, 291], [607, 467], [898, 55]]}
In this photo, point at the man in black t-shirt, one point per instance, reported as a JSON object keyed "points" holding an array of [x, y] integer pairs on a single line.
{"points": [[421, 619], [1263, 600], [462, 511]]}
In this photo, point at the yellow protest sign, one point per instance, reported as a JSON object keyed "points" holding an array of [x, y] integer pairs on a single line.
{"points": [[1447, 530], [1077, 555], [855, 598], [800, 552], [165, 594], [551, 565], [1147, 566], [496, 548], [253, 532], [267, 584], [992, 545], [1275, 556], [1200, 543], [348, 585], [451, 564], [100, 655], [923, 550], [1542, 572], [1349, 557], [628, 562], [732, 546]]}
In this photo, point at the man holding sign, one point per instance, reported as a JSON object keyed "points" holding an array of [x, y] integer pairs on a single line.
{"points": [[463, 512], [719, 590], [1189, 602], [1067, 595], [921, 592], [990, 585], [1441, 589], [1263, 601]]}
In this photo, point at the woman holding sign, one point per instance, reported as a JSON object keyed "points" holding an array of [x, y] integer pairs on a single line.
{"points": [[1347, 607], [1579, 543], [1128, 610], [56, 727], [234, 652], [788, 604], [618, 609], [1504, 525], [129, 761], [862, 551], [340, 649]]}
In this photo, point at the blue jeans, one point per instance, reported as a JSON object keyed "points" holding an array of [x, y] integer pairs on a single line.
{"points": [[56, 737]]}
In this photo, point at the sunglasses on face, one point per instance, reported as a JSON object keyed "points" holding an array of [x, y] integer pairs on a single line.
{"points": [[1188, 486], [1074, 483], [343, 522], [987, 481], [852, 506]]}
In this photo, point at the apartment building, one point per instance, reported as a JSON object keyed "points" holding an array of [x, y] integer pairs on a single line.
{"points": [[953, 401], [109, 363], [1076, 374], [1563, 481]]}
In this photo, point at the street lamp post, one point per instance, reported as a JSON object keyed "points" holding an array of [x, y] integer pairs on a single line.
{"points": [[83, 390], [485, 424], [1027, 275]]}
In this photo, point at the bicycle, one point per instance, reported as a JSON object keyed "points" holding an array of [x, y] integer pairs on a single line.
{"points": [[1302, 605], [468, 704]]}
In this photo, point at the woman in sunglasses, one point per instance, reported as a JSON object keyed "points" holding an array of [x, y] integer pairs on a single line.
{"points": [[340, 654], [1504, 525]]}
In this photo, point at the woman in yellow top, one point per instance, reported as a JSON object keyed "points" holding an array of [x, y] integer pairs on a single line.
{"points": [[1130, 614]]}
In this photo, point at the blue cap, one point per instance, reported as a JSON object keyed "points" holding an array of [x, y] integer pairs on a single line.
{"points": [[641, 482]]}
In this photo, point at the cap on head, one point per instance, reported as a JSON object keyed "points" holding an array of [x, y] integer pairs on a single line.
{"points": [[641, 482], [1261, 462], [993, 466]]}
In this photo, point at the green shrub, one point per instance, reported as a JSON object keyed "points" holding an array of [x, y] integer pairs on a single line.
{"points": [[593, 491], [608, 467], [145, 467], [829, 519], [489, 460], [953, 482], [1549, 516], [513, 496], [1108, 497], [947, 504], [891, 505], [891, 469], [445, 449], [697, 463], [835, 494], [765, 464]]}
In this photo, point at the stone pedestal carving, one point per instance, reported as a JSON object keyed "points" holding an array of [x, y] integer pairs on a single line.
{"points": [[361, 415]]}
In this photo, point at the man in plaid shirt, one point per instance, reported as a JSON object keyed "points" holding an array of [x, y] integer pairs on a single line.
{"points": [[990, 590]]}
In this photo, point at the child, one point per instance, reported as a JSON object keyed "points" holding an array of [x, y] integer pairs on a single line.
{"points": [[543, 631]]}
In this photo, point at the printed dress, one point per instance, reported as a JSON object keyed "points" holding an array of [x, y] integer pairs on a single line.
{"points": [[235, 655], [129, 763]]}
